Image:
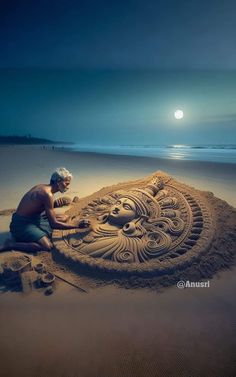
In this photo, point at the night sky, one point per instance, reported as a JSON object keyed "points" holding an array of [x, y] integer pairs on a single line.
{"points": [[113, 72]]}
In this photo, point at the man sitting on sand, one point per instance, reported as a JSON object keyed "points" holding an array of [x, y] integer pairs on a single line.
{"points": [[34, 219]]}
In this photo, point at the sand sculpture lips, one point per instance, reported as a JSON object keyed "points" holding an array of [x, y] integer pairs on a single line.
{"points": [[161, 225]]}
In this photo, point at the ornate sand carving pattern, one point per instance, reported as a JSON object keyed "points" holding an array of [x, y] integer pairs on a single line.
{"points": [[151, 227]]}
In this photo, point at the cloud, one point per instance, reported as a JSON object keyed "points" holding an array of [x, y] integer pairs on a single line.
{"points": [[221, 118]]}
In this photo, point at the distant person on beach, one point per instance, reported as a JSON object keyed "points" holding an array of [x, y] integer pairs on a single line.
{"points": [[32, 223]]}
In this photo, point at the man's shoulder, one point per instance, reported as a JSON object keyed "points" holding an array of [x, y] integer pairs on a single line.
{"points": [[47, 197], [42, 190]]}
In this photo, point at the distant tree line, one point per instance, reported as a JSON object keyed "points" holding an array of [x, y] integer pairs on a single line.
{"points": [[28, 139]]}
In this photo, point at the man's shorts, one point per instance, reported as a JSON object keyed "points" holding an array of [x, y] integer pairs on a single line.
{"points": [[30, 229]]}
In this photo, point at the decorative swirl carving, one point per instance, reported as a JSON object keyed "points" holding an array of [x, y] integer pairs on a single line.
{"points": [[172, 226], [157, 241], [124, 256]]}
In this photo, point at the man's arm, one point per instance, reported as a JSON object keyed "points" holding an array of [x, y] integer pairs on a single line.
{"points": [[54, 223]]}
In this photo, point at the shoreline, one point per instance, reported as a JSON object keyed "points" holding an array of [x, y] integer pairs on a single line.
{"points": [[151, 158], [207, 153], [26, 165]]}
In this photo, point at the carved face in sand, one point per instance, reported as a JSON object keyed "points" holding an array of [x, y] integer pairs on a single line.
{"points": [[122, 212]]}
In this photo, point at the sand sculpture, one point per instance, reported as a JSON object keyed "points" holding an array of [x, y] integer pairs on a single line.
{"points": [[148, 226]]}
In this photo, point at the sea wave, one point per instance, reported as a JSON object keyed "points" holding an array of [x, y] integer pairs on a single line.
{"points": [[223, 153]]}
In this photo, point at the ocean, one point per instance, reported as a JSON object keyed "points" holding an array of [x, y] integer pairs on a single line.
{"points": [[210, 153]]}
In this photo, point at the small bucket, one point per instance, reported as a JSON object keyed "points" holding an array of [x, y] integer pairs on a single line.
{"points": [[47, 279]]}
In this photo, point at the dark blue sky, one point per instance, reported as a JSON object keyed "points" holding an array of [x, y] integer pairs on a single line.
{"points": [[118, 34], [120, 107], [113, 72]]}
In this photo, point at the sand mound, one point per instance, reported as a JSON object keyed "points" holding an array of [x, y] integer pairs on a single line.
{"points": [[151, 232]]}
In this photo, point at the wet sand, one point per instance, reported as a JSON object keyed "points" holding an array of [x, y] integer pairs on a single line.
{"points": [[112, 331]]}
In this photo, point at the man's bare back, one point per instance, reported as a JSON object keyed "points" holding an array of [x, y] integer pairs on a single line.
{"points": [[30, 228], [33, 201]]}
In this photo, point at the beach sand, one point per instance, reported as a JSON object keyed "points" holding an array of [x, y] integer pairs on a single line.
{"points": [[112, 331]]}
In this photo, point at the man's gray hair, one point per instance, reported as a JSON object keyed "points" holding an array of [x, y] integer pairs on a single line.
{"points": [[59, 175]]}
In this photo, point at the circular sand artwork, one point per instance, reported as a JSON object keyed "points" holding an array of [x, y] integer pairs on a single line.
{"points": [[148, 226]]}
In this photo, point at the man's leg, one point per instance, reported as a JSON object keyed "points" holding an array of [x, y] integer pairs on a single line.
{"points": [[43, 244]]}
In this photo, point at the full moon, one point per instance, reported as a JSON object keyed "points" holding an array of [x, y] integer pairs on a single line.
{"points": [[179, 114]]}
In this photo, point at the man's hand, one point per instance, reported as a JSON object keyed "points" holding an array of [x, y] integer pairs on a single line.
{"points": [[83, 224]]}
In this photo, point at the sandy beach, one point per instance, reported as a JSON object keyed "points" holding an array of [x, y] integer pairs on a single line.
{"points": [[112, 331], [131, 106], [24, 166]]}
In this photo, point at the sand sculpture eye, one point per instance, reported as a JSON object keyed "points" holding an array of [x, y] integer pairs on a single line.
{"points": [[128, 207]]}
